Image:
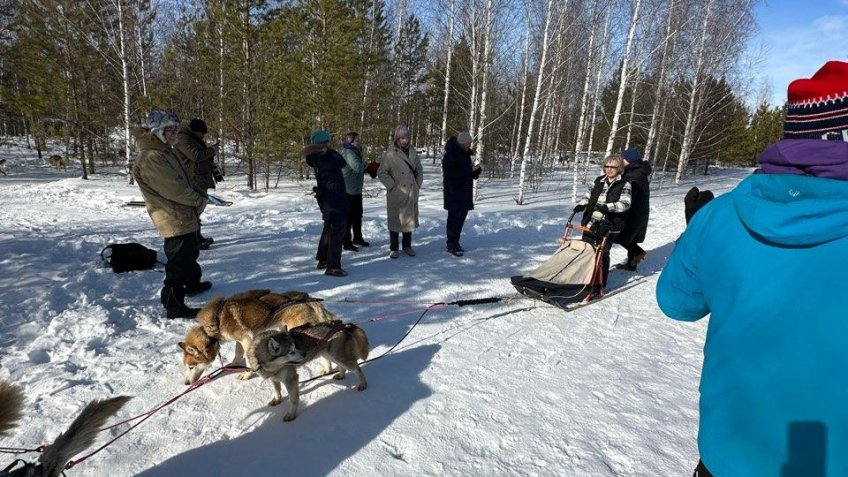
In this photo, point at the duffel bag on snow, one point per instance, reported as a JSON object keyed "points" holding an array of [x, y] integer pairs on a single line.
{"points": [[126, 257]]}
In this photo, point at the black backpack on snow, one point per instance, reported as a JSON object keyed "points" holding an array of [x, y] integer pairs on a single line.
{"points": [[126, 257]]}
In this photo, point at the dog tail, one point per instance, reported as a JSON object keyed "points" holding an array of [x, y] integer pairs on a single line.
{"points": [[79, 435], [11, 406], [361, 341]]}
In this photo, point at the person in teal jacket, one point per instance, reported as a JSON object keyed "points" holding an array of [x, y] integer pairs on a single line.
{"points": [[766, 262], [354, 177]]}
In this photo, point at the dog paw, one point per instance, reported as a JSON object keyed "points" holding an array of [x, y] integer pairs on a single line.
{"points": [[275, 401], [289, 416], [246, 375], [362, 387]]}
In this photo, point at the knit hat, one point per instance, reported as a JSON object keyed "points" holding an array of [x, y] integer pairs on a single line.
{"points": [[400, 131], [198, 125], [463, 138], [158, 120], [817, 107], [631, 156], [319, 136]]}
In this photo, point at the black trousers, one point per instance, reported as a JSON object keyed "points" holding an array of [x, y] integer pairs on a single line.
{"points": [[605, 258], [182, 269], [330, 244], [701, 471], [393, 240], [456, 220], [353, 227], [632, 251]]}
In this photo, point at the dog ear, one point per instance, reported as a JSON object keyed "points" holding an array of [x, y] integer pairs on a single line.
{"points": [[274, 346], [189, 349]]}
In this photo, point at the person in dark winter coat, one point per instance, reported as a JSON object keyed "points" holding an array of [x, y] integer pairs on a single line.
{"points": [[332, 200], [199, 160], [354, 177], [636, 172], [603, 209], [459, 174], [174, 204]]}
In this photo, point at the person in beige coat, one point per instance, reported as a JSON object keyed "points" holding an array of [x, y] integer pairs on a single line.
{"points": [[401, 172], [174, 205]]}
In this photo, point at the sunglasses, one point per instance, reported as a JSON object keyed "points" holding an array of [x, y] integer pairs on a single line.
{"points": [[610, 167]]}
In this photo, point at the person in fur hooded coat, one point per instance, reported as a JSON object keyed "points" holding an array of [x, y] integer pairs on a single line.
{"points": [[175, 206]]}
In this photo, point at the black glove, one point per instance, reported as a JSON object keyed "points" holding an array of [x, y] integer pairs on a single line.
{"points": [[219, 178], [602, 208], [579, 208]]}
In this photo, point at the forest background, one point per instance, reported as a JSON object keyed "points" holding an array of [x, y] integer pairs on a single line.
{"points": [[536, 82]]}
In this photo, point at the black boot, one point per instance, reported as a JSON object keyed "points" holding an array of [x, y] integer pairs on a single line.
{"points": [[198, 288], [181, 311]]}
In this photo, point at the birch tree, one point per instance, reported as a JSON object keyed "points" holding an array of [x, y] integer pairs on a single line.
{"points": [[624, 77], [522, 180]]}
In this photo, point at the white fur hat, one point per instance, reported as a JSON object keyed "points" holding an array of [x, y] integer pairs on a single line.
{"points": [[158, 120]]}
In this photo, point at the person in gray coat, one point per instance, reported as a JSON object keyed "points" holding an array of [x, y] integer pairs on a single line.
{"points": [[354, 177], [401, 172]]}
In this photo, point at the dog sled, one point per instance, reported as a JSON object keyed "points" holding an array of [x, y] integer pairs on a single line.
{"points": [[573, 274]]}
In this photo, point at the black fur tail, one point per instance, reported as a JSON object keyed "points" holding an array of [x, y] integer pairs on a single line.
{"points": [[79, 435], [11, 406]]}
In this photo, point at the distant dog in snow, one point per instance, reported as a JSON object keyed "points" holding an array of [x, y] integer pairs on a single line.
{"points": [[238, 318], [79, 436], [57, 161], [276, 354]]}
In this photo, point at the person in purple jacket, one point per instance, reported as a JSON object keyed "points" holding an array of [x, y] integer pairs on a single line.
{"points": [[766, 262]]}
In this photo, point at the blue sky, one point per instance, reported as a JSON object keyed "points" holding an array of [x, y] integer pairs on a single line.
{"points": [[798, 37]]}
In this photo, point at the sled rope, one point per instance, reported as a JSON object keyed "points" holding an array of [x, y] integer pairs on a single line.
{"points": [[473, 301], [146, 415]]}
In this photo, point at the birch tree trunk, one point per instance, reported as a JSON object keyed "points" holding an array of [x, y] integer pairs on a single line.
{"points": [[661, 82], [369, 71], [523, 174], [451, 19], [584, 102], [596, 95], [222, 150], [518, 136], [475, 67], [125, 79], [484, 81], [622, 84], [689, 129]]}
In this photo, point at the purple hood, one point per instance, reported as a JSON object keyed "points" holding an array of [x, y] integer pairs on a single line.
{"points": [[806, 157]]}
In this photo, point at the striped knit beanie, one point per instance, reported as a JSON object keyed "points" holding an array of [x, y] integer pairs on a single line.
{"points": [[817, 107]]}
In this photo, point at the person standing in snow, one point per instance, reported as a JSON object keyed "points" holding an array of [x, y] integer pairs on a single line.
{"points": [[174, 205], [603, 209], [354, 178], [401, 172], [199, 160], [765, 262], [332, 200], [636, 172], [459, 174]]}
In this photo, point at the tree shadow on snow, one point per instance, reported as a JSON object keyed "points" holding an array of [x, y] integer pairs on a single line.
{"points": [[327, 431]]}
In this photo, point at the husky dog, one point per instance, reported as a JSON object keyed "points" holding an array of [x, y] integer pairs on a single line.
{"points": [[238, 318], [76, 439], [276, 355], [56, 161]]}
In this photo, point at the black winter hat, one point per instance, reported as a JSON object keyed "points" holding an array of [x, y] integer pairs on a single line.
{"points": [[198, 125]]}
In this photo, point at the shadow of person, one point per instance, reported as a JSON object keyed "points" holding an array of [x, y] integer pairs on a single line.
{"points": [[807, 457], [326, 432]]}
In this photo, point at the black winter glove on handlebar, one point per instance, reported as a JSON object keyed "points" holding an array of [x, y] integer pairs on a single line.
{"points": [[602, 208], [579, 208]]}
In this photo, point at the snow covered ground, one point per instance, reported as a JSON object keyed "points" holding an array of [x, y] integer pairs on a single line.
{"points": [[511, 389]]}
